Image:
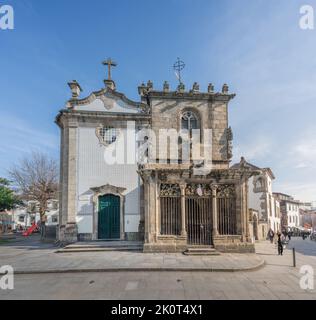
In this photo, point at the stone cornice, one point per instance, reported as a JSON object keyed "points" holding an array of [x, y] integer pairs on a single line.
{"points": [[105, 189], [97, 116], [216, 175], [222, 97], [142, 107]]}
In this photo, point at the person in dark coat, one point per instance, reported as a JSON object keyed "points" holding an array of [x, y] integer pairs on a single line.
{"points": [[271, 235], [280, 245]]}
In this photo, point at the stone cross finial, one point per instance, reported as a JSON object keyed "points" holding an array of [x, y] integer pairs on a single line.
{"points": [[166, 86], [75, 88], [110, 63], [225, 89], [210, 88]]}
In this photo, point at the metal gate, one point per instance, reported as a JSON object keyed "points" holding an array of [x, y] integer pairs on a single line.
{"points": [[226, 210], [199, 215], [170, 209]]}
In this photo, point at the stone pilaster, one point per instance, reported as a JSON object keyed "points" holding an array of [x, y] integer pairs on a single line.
{"points": [[214, 210], [183, 218], [68, 181], [150, 207]]}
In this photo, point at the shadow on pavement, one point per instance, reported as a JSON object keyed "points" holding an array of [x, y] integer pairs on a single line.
{"points": [[32, 242]]}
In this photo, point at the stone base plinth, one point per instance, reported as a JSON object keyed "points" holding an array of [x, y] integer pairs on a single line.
{"points": [[233, 244], [167, 244], [68, 233]]}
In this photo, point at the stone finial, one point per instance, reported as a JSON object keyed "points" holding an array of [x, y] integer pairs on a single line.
{"points": [[110, 84], [166, 86], [181, 87], [242, 163], [150, 85], [195, 87], [142, 89], [210, 88], [75, 88], [225, 89]]}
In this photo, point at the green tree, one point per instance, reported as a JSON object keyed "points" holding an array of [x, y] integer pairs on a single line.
{"points": [[8, 199]]}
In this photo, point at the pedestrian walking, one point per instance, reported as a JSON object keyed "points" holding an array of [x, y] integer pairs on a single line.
{"points": [[271, 235], [280, 245]]}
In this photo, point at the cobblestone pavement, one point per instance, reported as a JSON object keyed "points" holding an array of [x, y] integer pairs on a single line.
{"points": [[278, 279]]}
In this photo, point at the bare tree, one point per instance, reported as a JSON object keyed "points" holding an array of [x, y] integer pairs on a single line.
{"points": [[37, 178]]}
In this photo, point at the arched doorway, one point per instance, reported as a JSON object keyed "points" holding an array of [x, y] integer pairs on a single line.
{"points": [[109, 217]]}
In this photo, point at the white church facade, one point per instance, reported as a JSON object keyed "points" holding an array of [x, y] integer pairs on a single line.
{"points": [[164, 201]]}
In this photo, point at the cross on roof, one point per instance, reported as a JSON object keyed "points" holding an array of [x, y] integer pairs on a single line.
{"points": [[110, 63]]}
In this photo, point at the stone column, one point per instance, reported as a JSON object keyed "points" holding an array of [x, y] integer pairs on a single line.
{"points": [[157, 205], [183, 220], [149, 206], [214, 210], [247, 210], [243, 208]]}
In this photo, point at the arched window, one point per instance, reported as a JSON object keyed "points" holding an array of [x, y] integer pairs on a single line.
{"points": [[189, 121], [259, 183]]}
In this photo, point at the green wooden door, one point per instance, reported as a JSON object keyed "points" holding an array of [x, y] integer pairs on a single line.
{"points": [[109, 217]]}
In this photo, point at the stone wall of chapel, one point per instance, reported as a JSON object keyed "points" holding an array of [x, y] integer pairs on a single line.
{"points": [[166, 114]]}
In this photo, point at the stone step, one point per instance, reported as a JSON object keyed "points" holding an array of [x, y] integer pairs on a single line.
{"points": [[201, 251], [99, 249]]}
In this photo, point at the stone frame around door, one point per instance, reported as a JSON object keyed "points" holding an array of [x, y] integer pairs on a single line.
{"points": [[101, 191]]}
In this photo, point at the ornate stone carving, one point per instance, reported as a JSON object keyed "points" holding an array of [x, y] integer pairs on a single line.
{"points": [[75, 89], [101, 133], [142, 89], [225, 89], [226, 191], [195, 87], [150, 85], [169, 190], [229, 136], [166, 86], [198, 190], [108, 189], [181, 87], [210, 88]]}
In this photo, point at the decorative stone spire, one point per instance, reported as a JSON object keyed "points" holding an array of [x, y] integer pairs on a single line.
{"points": [[166, 86], [210, 88], [150, 85], [75, 88], [225, 89], [195, 87], [142, 89], [181, 87]]}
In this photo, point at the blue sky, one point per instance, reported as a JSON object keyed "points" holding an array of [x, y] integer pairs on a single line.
{"points": [[255, 46]]}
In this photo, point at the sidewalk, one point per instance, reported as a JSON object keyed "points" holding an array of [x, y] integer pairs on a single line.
{"points": [[30, 256]]}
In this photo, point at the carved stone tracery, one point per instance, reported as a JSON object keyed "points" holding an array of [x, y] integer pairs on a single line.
{"points": [[169, 190]]}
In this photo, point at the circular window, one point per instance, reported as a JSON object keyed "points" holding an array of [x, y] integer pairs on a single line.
{"points": [[107, 135]]}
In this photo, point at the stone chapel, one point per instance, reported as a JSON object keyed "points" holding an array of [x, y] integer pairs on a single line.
{"points": [[162, 201]]}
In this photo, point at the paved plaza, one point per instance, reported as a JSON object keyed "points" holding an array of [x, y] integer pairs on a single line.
{"points": [[277, 279]]}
